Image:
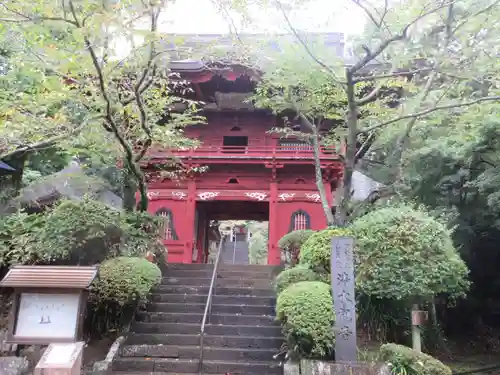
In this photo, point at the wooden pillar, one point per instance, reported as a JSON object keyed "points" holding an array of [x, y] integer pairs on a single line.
{"points": [[189, 220], [201, 236], [273, 253]]}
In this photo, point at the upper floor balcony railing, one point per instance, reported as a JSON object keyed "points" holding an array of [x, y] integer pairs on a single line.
{"points": [[256, 152]]}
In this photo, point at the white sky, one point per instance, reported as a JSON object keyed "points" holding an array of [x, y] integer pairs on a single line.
{"points": [[203, 17]]}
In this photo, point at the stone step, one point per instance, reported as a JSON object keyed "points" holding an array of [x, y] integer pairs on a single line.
{"points": [[220, 274], [191, 366], [209, 353], [216, 308], [226, 282], [224, 267], [240, 342], [211, 329], [226, 291], [217, 299], [196, 318]]}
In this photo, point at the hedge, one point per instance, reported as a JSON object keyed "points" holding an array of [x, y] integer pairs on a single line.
{"points": [[124, 280], [316, 251], [305, 310], [294, 275], [415, 363]]}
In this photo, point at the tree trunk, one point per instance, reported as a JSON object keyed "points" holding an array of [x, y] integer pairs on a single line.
{"points": [[128, 190], [350, 154], [319, 180]]}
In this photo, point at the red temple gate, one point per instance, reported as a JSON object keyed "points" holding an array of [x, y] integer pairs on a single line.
{"points": [[252, 174]]}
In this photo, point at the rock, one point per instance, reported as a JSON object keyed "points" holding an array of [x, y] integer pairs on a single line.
{"points": [[308, 367], [13, 365], [291, 368]]}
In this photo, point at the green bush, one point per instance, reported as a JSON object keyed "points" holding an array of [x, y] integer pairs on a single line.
{"points": [[80, 232], [402, 358], [291, 243], [410, 246], [305, 310], [294, 275], [124, 280], [316, 251]]}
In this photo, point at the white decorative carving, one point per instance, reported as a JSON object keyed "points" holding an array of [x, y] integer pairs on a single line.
{"points": [[313, 196], [152, 194], [208, 195], [179, 194], [286, 196], [257, 195]]}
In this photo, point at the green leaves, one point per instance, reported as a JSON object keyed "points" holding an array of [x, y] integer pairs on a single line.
{"points": [[75, 232], [407, 245], [124, 280], [305, 310]]}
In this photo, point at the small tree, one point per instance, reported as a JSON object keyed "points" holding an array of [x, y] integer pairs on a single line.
{"points": [[74, 89], [423, 45], [405, 254]]}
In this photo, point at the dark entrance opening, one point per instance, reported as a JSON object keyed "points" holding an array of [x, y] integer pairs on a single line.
{"points": [[234, 144], [239, 247]]}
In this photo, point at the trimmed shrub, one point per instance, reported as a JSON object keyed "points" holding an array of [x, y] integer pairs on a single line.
{"points": [[410, 246], [294, 275], [291, 242], [124, 280], [305, 310], [122, 284], [402, 358], [315, 252]]}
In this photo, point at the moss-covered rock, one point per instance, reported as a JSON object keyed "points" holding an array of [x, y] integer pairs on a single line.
{"points": [[124, 280], [316, 250], [400, 357], [305, 310], [294, 275]]}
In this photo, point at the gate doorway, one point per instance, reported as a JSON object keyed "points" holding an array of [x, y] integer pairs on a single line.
{"points": [[246, 224]]}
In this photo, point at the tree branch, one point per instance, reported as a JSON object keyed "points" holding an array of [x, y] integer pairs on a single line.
{"points": [[430, 110], [132, 166], [26, 18], [391, 75], [371, 55], [306, 47], [143, 119]]}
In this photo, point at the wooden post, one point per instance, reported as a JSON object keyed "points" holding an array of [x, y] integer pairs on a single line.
{"points": [[273, 254], [418, 319], [189, 222]]}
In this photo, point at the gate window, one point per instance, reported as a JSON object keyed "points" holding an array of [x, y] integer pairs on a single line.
{"points": [[300, 220], [167, 230], [234, 144]]}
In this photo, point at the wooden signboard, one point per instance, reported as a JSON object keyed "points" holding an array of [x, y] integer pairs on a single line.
{"points": [[49, 303]]}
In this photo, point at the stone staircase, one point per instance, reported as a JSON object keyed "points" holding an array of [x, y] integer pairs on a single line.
{"points": [[240, 339], [235, 252]]}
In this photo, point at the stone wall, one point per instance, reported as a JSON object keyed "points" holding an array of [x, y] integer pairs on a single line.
{"points": [[307, 367]]}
